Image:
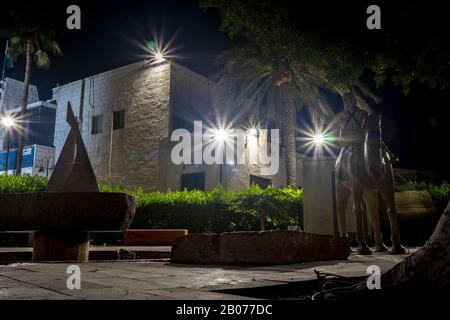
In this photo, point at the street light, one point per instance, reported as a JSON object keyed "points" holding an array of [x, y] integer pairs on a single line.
{"points": [[253, 131], [220, 135], [318, 139], [159, 56], [8, 122]]}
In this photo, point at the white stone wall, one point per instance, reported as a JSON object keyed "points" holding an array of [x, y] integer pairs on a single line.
{"points": [[191, 89], [319, 211], [142, 90]]}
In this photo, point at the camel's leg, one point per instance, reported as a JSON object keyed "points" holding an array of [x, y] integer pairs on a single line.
{"points": [[371, 200], [387, 193], [357, 211], [342, 197]]}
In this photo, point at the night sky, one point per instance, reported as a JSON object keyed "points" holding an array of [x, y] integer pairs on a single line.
{"points": [[113, 32]]}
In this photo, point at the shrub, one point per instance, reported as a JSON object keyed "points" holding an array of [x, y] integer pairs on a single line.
{"points": [[197, 211], [26, 183], [216, 211], [440, 194]]}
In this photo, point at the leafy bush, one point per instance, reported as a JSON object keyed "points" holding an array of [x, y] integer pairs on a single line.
{"points": [[216, 211], [440, 194], [197, 211], [27, 183]]}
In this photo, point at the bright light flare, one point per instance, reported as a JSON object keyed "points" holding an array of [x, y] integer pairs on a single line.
{"points": [[8, 121], [157, 52], [253, 131], [159, 57], [318, 139], [220, 135]]}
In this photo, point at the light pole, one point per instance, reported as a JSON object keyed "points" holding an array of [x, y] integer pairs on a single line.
{"points": [[8, 122]]}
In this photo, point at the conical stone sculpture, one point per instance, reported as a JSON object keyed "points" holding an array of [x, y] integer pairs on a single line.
{"points": [[73, 171], [70, 208]]}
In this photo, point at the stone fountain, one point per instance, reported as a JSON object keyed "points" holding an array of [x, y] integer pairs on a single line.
{"points": [[69, 209]]}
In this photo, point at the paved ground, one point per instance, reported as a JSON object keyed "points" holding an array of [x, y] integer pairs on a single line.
{"points": [[162, 280], [16, 254], [96, 248]]}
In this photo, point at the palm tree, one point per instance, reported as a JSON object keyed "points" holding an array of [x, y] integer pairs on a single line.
{"points": [[34, 41], [277, 86]]}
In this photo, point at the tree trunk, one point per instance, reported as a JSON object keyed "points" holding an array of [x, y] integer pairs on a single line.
{"points": [[427, 267], [26, 84], [288, 126]]}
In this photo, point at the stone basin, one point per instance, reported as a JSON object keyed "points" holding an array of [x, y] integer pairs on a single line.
{"points": [[66, 211], [63, 220]]}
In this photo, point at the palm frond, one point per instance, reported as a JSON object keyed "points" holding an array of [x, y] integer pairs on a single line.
{"points": [[251, 80], [41, 59], [52, 47]]}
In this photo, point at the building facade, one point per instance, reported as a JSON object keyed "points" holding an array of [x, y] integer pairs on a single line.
{"points": [[126, 117]]}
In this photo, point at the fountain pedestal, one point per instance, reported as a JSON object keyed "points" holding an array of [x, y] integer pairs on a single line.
{"points": [[61, 246], [70, 208]]}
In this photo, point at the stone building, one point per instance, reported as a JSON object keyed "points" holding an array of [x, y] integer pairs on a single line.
{"points": [[126, 117]]}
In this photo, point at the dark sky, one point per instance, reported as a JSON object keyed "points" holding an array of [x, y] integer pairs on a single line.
{"points": [[113, 32]]}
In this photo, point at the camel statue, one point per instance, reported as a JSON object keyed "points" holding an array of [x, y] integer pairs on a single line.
{"points": [[364, 170]]}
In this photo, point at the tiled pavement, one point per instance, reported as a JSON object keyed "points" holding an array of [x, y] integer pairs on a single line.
{"points": [[162, 280]]}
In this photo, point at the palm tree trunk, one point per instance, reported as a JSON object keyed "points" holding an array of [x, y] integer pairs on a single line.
{"points": [[288, 126], [428, 266], [26, 84]]}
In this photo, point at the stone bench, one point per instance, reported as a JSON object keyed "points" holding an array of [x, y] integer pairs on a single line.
{"points": [[152, 237], [63, 220]]}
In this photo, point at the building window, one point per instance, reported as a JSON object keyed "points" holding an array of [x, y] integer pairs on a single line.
{"points": [[119, 119], [193, 181], [97, 124], [263, 183]]}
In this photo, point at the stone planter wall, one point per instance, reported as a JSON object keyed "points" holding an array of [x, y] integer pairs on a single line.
{"points": [[267, 247]]}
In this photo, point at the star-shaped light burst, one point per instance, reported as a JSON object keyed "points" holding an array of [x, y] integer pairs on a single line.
{"points": [[318, 139], [158, 54], [8, 121], [219, 135]]}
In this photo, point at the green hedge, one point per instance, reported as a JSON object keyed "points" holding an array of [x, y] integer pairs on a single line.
{"points": [[27, 183], [197, 211], [218, 210]]}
